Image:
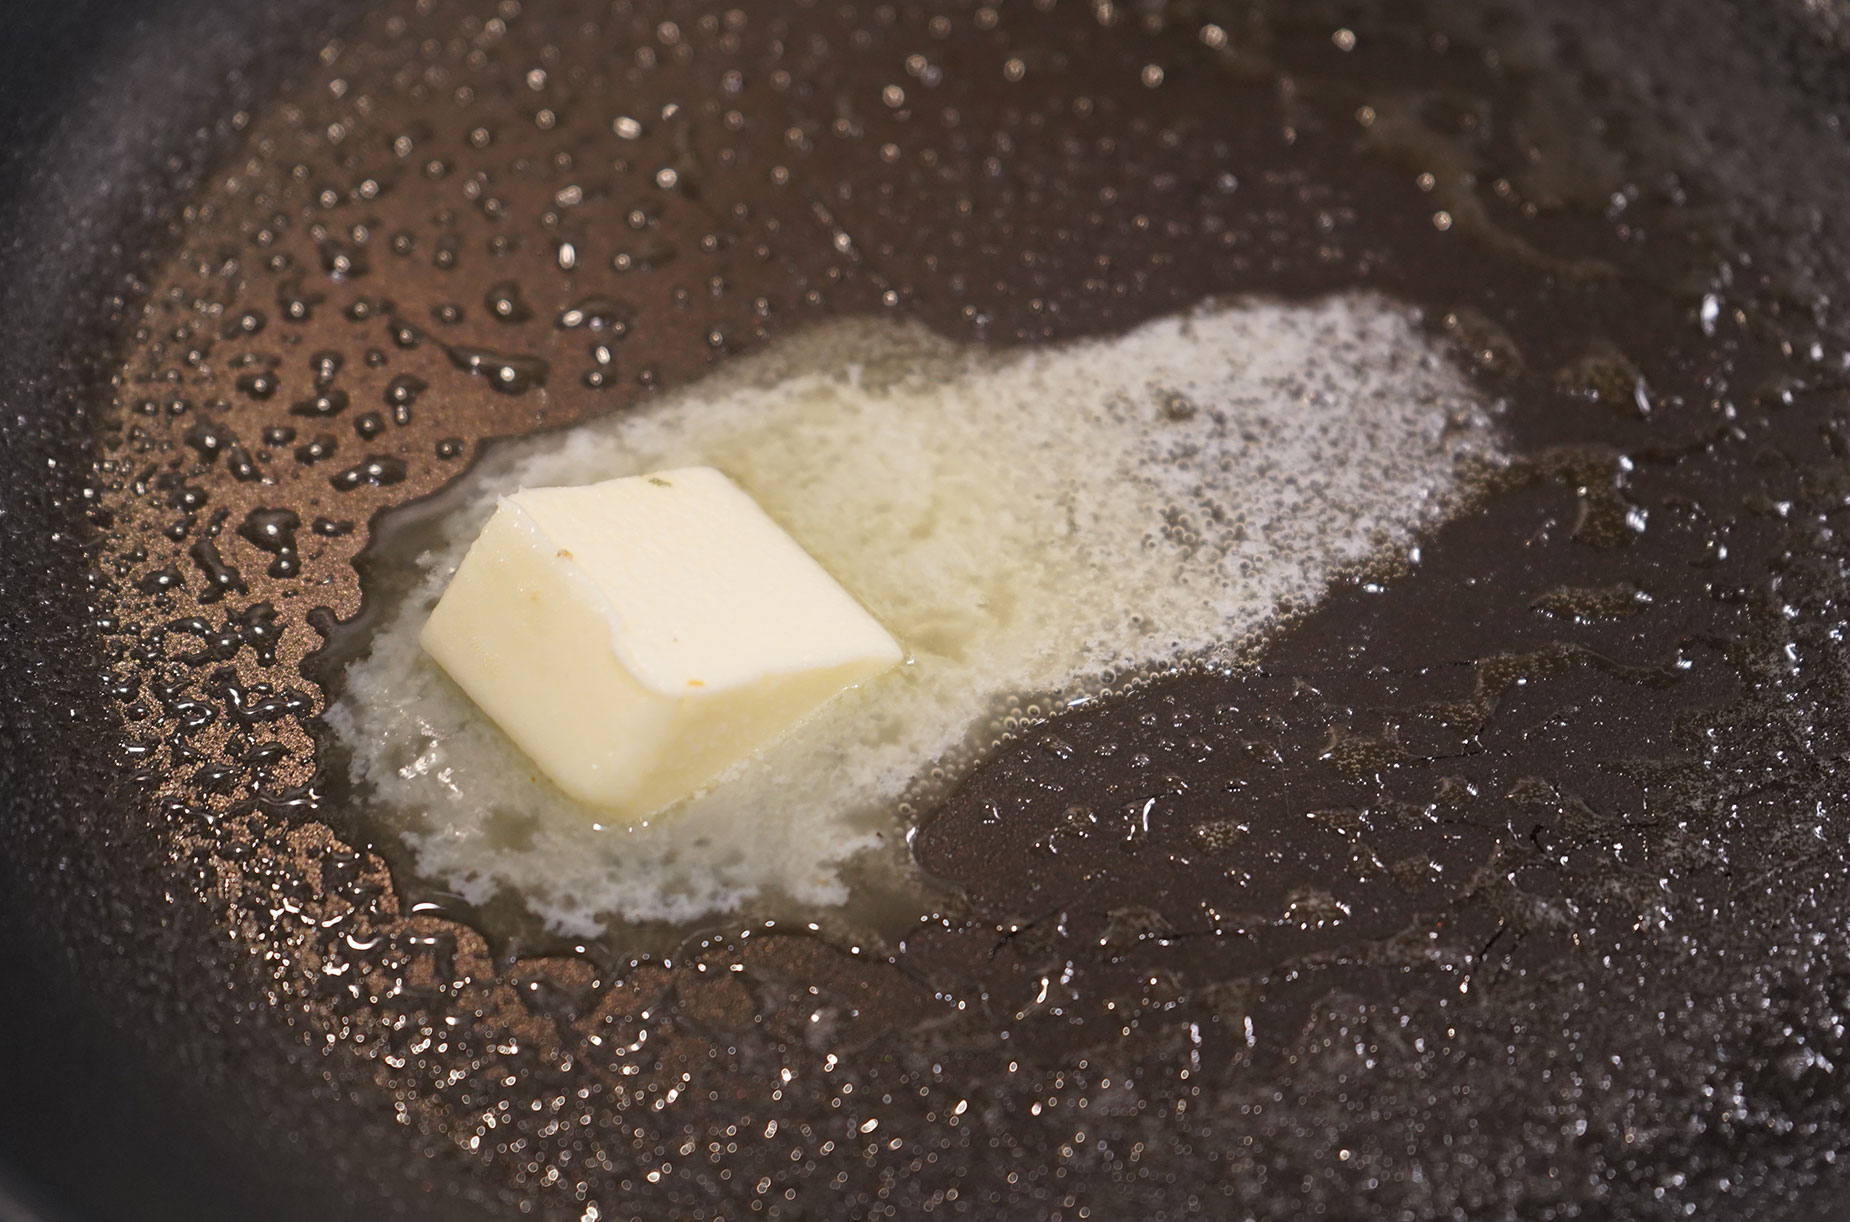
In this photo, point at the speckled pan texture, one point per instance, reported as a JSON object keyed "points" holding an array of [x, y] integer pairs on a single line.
{"points": [[1506, 877]]}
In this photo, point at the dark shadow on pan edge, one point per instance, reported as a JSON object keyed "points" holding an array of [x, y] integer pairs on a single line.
{"points": [[109, 111]]}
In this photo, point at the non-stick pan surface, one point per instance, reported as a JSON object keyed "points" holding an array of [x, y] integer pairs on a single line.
{"points": [[1544, 835]]}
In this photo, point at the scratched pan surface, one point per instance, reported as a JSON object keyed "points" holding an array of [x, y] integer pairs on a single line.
{"points": [[1541, 840]]}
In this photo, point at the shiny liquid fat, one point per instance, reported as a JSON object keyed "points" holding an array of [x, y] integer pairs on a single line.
{"points": [[1036, 528]]}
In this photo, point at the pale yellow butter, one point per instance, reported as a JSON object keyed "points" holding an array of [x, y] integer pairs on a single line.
{"points": [[639, 636]]}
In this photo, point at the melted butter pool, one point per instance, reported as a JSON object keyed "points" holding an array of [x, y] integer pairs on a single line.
{"points": [[1037, 529]]}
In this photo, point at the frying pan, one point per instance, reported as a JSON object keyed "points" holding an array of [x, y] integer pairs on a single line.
{"points": [[1546, 831]]}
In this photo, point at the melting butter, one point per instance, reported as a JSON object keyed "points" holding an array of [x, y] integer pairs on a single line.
{"points": [[637, 636], [1035, 527]]}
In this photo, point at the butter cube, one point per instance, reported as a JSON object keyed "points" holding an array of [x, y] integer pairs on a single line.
{"points": [[639, 636]]}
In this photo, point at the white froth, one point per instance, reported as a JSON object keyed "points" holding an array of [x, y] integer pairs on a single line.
{"points": [[1032, 527]]}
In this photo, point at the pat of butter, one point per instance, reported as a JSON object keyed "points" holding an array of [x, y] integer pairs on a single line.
{"points": [[639, 636]]}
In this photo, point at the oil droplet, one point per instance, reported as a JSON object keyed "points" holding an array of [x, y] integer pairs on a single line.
{"points": [[505, 303], [273, 531], [509, 373], [377, 470]]}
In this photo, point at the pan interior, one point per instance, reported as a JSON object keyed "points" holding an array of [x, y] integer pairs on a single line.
{"points": [[1531, 845]]}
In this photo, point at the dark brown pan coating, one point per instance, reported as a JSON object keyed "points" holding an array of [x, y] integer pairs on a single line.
{"points": [[1510, 882]]}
